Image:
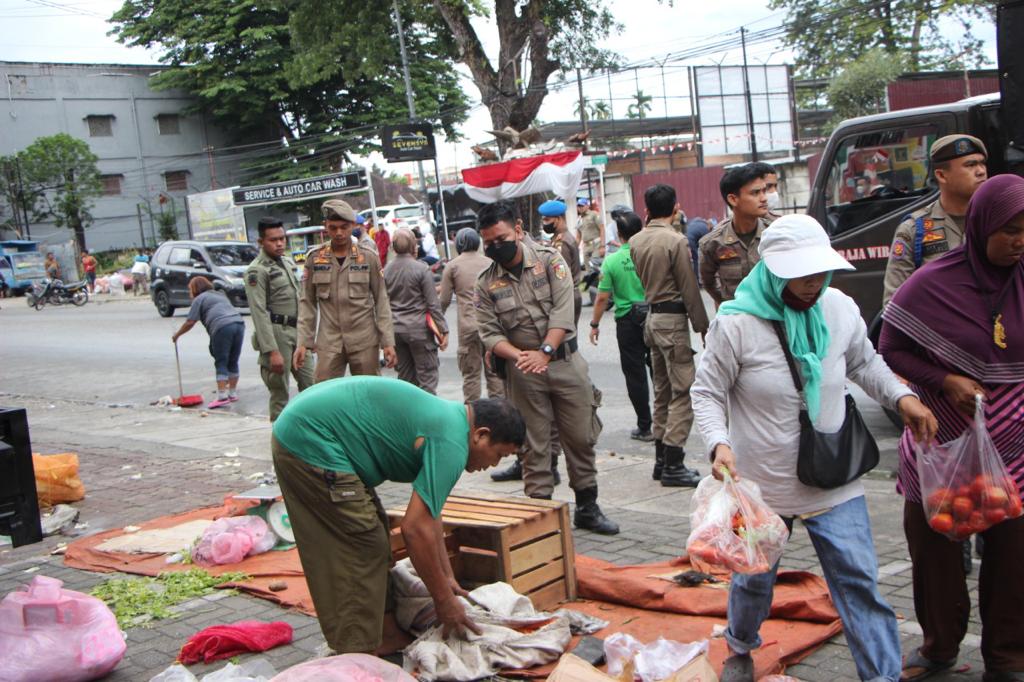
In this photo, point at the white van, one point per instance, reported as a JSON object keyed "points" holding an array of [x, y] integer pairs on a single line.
{"points": [[396, 216]]}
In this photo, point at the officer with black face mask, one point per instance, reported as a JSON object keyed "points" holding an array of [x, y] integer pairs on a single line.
{"points": [[554, 225]]}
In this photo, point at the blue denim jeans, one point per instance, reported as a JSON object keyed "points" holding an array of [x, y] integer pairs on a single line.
{"points": [[226, 347], [842, 540]]}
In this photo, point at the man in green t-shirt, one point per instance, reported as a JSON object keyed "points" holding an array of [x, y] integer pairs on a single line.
{"points": [[620, 282], [337, 441]]}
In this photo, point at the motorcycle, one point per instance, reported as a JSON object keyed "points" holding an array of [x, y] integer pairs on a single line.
{"points": [[55, 292]]}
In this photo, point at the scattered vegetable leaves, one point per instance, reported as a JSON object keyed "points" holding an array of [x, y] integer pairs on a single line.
{"points": [[132, 598]]}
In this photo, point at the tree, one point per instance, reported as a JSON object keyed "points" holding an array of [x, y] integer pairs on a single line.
{"points": [[829, 34], [322, 77], [640, 106], [602, 112], [60, 172], [860, 88], [18, 199]]}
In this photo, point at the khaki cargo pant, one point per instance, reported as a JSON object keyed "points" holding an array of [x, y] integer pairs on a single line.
{"points": [[472, 365], [332, 364], [343, 545], [418, 363], [668, 337], [564, 396], [278, 384]]}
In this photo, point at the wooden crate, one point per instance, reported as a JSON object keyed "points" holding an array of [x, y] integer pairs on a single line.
{"points": [[523, 542]]}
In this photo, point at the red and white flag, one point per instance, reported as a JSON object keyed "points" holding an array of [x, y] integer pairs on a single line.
{"points": [[558, 173]]}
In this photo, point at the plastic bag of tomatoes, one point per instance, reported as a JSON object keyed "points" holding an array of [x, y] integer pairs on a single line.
{"points": [[733, 528], [965, 487]]}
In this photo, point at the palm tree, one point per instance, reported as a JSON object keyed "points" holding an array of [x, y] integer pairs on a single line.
{"points": [[640, 106], [601, 111], [584, 105]]}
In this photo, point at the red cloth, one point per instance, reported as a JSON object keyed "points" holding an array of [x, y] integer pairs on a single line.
{"points": [[224, 641], [383, 241]]}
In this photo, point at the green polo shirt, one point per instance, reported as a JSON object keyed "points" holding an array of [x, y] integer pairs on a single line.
{"points": [[618, 275], [368, 426]]}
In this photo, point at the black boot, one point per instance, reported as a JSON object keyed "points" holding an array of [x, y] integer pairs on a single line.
{"points": [[589, 516], [514, 472], [675, 474], [554, 469], [659, 460], [968, 562]]}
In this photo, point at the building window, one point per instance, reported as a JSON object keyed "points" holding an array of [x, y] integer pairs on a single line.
{"points": [[100, 126], [167, 124], [111, 185], [177, 181]]}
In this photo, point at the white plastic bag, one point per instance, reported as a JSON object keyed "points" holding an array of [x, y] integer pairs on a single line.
{"points": [[658, 660], [256, 669]]}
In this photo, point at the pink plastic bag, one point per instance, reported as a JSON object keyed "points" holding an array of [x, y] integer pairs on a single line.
{"points": [[345, 668], [51, 634], [231, 539], [733, 528], [965, 487]]}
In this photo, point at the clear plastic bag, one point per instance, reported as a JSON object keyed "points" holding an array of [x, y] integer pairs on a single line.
{"points": [[733, 528], [49, 633], [231, 539], [965, 487], [658, 660]]}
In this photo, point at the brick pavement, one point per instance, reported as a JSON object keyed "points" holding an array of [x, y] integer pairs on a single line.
{"points": [[178, 480]]}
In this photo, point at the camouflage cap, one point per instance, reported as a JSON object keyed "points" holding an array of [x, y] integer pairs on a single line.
{"points": [[336, 209], [954, 146]]}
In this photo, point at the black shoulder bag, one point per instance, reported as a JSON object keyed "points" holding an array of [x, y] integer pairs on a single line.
{"points": [[830, 460]]}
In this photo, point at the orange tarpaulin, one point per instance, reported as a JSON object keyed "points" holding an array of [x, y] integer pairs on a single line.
{"points": [[629, 597]]}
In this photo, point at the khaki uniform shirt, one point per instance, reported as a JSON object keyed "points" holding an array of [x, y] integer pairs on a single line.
{"points": [[722, 254], [942, 232], [351, 300], [459, 278], [271, 287], [412, 295], [570, 250], [521, 309], [590, 230], [665, 266], [771, 217]]}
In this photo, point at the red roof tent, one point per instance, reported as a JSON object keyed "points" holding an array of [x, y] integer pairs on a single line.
{"points": [[939, 87]]}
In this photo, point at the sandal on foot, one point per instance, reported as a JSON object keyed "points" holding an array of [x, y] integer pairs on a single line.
{"points": [[738, 668], [925, 667]]}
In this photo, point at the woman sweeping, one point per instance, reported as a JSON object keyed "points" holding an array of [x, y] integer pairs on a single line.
{"points": [[226, 329]]}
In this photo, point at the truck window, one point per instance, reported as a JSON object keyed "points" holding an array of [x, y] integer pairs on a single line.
{"points": [[877, 173]]}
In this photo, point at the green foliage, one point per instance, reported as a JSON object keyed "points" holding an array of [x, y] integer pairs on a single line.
{"points": [[828, 34], [860, 88], [133, 598], [167, 225], [601, 111], [640, 106]]}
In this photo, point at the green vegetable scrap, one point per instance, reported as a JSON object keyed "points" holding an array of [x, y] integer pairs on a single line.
{"points": [[132, 598]]}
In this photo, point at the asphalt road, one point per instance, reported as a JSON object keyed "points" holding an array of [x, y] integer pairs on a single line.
{"points": [[120, 351]]}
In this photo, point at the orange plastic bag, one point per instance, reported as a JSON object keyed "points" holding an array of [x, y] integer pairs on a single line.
{"points": [[57, 480]]}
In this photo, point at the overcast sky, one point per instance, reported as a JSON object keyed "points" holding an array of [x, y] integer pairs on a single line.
{"points": [[76, 31]]}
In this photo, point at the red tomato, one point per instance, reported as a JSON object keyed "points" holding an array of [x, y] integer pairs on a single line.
{"points": [[994, 516], [995, 497], [977, 522], [978, 486], [962, 508], [963, 491], [940, 501], [941, 523], [962, 531], [1014, 508]]}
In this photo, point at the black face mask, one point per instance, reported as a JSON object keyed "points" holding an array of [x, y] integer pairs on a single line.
{"points": [[549, 228], [503, 253]]}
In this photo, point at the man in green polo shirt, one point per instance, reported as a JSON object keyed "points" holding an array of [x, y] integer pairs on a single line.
{"points": [[337, 441], [620, 282]]}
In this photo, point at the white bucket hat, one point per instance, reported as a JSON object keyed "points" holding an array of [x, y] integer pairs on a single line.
{"points": [[797, 246]]}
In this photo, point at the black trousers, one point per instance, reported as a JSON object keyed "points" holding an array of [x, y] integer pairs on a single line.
{"points": [[635, 359]]}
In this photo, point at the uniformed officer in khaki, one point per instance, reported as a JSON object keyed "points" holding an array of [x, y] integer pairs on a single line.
{"points": [[525, 309], [770, 175], [728, 253], [589, 232], [459, 279], [344, 315], [959, 165], [273, 293], [554, 225], [663, 262]]}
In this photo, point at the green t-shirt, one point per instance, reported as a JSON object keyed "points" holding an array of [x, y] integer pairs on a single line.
{"points": [[368, 426], [618, 275]]}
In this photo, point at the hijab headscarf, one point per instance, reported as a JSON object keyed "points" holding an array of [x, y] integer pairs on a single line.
{"points": [[948, 305], [760, 294], [467, 239]]}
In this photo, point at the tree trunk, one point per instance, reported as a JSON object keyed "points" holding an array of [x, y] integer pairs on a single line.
{"points": [[79, 231]]}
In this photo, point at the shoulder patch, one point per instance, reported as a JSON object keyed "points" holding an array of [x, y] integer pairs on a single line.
{"points": [[899, 250], [251, 278], [726, 253], [933, 235], [497, 284], [560, 269]]}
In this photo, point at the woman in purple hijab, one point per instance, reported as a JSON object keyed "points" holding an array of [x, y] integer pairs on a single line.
{"points": [[953, 330]]}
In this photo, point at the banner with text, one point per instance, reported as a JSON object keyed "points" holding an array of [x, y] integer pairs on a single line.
{"points": [[299, 190]]}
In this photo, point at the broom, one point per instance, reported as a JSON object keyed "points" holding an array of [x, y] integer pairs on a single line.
{"points": [[184, 400]]}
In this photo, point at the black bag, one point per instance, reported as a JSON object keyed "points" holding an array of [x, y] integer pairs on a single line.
{"points": [[830, 460], [638, 313]]}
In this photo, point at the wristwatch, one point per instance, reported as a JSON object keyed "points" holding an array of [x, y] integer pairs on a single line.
{"points": [[548, 350], [594, 325]]}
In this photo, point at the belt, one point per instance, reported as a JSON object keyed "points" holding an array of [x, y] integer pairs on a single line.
{"points": [[671, 307], [565, 350], [286, 320]]}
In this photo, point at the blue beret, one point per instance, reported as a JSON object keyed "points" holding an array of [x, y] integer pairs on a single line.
{"points": [[583, 201], [552, 209], [360, 220]]}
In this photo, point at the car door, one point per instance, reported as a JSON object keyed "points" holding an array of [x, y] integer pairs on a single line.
{"points": [[176, 274], [198, 266]]}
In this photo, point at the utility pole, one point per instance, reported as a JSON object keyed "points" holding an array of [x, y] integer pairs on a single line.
{"points": [[408, 91], [21, 198], [746, 94], [583, 108]]}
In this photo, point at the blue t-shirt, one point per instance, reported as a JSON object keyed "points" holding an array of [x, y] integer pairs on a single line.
{"points": [[214, 310]]}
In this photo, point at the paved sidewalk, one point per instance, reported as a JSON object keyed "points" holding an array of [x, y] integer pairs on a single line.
{"points": [[140, 463]]}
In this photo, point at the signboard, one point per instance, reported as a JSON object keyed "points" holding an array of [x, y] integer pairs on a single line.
{"points": [[600, 160], [722, 108], [408, 142], [214, 216], [297, 190]]}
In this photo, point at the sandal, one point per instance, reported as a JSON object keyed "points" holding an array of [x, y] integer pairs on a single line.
{"points": [[925, 666]]}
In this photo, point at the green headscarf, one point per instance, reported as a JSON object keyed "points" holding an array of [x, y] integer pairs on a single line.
{"points": [[760, 294]]}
